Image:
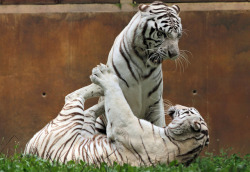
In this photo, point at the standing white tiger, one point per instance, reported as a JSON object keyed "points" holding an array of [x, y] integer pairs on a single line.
{"points": [[70, 136], [150, 37]]}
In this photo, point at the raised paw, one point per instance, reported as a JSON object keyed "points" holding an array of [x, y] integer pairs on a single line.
{"points": [[103, 76]]}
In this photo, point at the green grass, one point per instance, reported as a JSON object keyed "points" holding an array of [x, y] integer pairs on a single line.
{"points": [[224, 163]]}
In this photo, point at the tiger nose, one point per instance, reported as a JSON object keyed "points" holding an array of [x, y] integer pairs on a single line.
{"points": [[172, 54]]}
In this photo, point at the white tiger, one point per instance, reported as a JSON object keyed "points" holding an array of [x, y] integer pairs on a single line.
{"points": [[70, 136], [151, 36]]}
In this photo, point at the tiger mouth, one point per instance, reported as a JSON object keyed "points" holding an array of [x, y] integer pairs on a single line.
{"points": [[156, 58], [207, 141]]}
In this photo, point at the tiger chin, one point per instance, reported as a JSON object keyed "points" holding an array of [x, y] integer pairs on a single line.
{"points": [[129, 140]]}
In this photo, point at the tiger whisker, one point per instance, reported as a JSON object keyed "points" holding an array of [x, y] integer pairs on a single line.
{"points": [[185, 56], [168, 102], [182, 60], [182, 63], [187, 52], [175, 65], [149, 59], [185, 60], [185, 31], [163, 54], [179, 62]]}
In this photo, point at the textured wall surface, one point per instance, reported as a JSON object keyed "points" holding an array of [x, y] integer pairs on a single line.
{"points": [[45, 56]]}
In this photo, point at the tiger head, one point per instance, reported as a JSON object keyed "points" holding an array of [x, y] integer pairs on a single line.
{"points": [[161, 30], [187, 124]]}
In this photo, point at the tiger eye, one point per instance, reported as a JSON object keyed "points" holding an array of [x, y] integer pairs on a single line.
{"points": [[159, 34]]}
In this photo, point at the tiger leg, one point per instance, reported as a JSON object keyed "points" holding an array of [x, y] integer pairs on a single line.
{"points": [[120, 117], [55, 140], [101, 121], [90, 116], [74, 106], [85, 93]]}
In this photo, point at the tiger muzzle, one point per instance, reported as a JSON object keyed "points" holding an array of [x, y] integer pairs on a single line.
{"points": [[169, 49]]}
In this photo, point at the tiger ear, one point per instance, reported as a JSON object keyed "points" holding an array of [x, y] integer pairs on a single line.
{"points": [[176, 8], [143, 7]]}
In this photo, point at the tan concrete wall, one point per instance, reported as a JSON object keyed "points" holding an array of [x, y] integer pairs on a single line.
{"points": [[52, 52]]}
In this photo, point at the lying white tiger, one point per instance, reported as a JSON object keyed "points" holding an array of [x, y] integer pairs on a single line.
{"points": [[151, 36], [70, 136]]}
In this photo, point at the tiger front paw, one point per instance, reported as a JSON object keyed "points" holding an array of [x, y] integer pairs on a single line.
{"points": [[104, 77]]}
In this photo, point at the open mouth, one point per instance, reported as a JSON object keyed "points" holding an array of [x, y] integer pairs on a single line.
{"points": [[156, 58]]}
